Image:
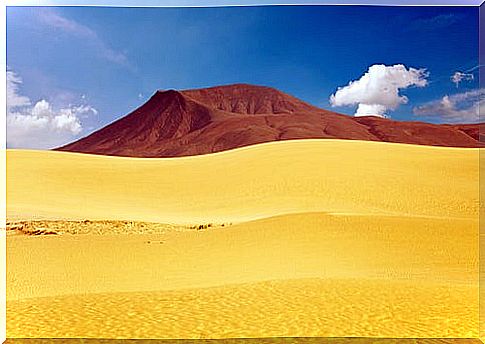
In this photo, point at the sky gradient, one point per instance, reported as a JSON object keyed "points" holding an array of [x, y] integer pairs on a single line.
{"points": [[83, 67]]}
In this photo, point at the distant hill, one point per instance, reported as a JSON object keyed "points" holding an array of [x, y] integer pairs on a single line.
{"points": [[191, 122]]}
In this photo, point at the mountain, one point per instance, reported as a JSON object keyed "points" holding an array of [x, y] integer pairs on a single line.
{"points": [[191, 122]]}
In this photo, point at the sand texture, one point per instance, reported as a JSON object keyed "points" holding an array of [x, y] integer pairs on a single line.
{"points": [[272, 340], [320, 238]]}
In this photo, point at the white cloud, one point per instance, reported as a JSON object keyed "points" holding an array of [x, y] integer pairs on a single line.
{"points": [[377, 91], [13, 97], [457, 108], [53, 19], [40, 125], [458, 77]]}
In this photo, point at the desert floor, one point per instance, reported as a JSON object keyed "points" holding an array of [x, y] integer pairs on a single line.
{"points": [[273, 340], [288, 239]]}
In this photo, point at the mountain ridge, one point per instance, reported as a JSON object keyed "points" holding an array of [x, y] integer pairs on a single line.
{"points": [[199, 121]]}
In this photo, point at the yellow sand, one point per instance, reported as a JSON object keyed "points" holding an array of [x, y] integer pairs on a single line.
{"points": [[357, 239], [243, 184], [303, 307]]}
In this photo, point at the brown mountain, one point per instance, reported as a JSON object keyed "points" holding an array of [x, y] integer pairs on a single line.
{"points": [[180, 123]]}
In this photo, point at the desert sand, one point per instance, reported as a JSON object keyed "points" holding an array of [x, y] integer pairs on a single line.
{"points": [[332, 176], [306, 238]]}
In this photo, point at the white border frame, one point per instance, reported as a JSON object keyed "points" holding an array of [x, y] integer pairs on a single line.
{"points": [[141, 3]]}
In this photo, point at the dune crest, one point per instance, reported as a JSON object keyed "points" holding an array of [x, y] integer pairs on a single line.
{"points": [[333, 176]]}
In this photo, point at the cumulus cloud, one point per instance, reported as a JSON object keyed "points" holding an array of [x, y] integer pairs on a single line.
{"points": [[40, 125], [458, 77], [457, 108], [377, 91]]}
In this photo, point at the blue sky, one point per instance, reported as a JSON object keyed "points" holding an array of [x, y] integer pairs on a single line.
{"points": [[91, 65]]}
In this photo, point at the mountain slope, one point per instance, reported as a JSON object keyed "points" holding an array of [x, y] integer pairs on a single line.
{"points": [[200, 121]]}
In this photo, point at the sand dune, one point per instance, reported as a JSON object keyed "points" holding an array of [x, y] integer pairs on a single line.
{"points": [[260, 181], [379, 276], [322, 238], [286, 247]]}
